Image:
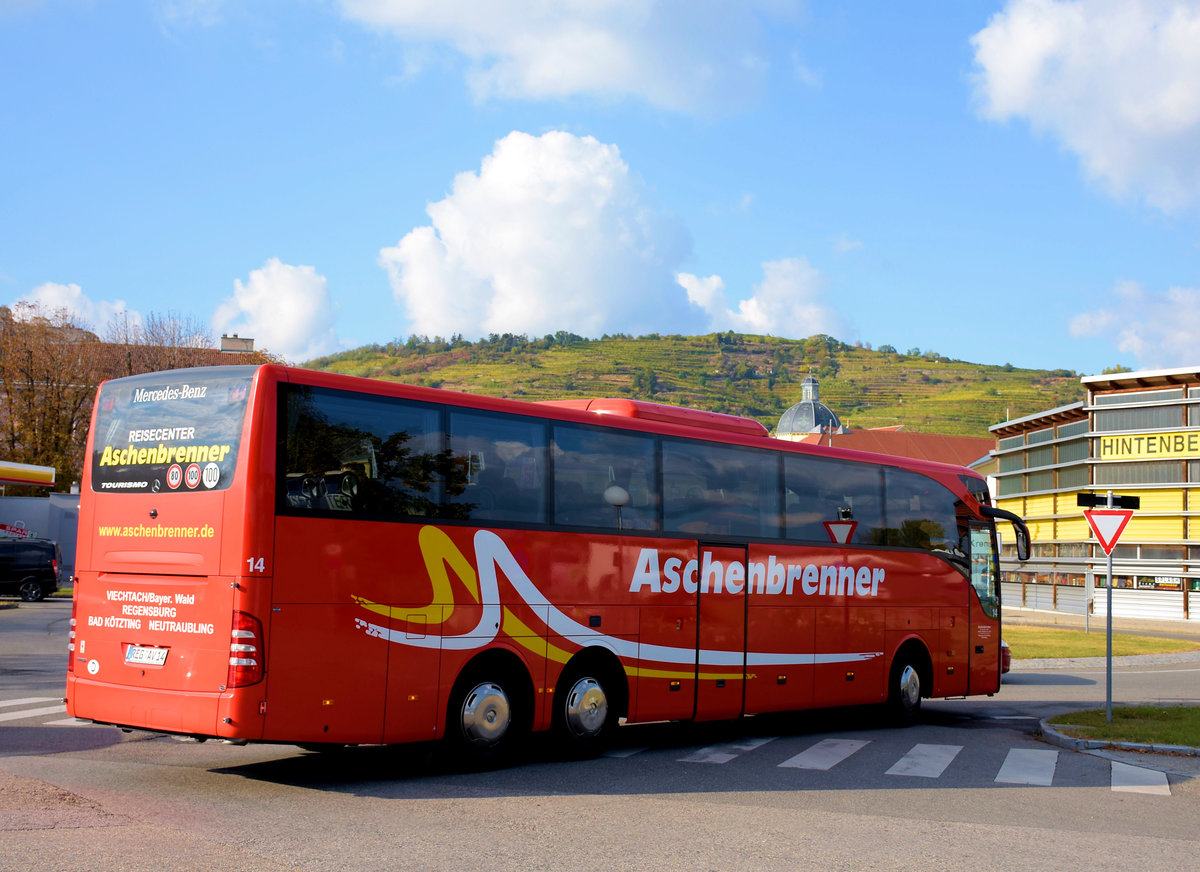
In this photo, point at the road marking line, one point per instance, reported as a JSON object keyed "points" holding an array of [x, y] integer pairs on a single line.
{"points": [[725, 752], [824, 755], [69, 722], [29, 700], [33, 713], [1028, 767], [925, 761], [622, 752], [1127, 778]]}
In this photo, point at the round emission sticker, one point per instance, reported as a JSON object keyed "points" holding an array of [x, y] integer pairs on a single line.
{"points": [[174, 476], [191, 476], [212, 475]]}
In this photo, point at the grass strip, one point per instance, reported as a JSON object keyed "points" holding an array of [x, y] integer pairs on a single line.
{"points": [[1150, 725], [1035, 643]]}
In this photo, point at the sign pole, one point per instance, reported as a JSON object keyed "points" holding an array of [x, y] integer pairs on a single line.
{"points": [[1108, 619], [1089, 594], [1107, 525]]}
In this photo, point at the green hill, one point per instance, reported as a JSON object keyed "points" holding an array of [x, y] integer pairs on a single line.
{"points": [[755, 376]]}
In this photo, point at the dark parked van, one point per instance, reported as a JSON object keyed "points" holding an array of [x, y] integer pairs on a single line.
{"points": [[29, 567]]}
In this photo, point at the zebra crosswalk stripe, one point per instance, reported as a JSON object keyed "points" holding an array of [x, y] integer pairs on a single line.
{"points": [[824, 755], [1127, 778], [29, 700], [33, 713], [1035, 768], [725, 752], [925, 761]]}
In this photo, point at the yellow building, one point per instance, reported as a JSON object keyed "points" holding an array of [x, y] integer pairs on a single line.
{"points": [[1138, 434]]}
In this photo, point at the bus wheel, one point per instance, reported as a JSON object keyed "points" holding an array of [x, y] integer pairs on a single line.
{"points": [[904, 689], [31, 590], [586, 710], [486, 720]]}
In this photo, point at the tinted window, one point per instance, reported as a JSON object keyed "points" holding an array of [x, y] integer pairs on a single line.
{"points": [[170, 431], [720, 490], [368, 455], [604, 479], [920, 512], [819, 490], [504, 460]]}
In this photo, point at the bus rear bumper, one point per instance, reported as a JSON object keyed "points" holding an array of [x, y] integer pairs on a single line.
{"points": [[189, 713]]}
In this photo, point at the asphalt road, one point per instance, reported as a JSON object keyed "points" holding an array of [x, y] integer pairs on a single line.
{"points": [[971, 786]]}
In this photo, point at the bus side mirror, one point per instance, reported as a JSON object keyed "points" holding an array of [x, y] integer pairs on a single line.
{"points": [[1019, 528], [1022, 533]]}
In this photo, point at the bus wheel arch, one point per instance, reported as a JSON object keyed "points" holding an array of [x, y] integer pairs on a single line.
{"points": [[909, 680], [490, 708], [591, 697]]}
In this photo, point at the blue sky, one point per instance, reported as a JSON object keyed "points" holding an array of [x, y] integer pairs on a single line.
{"points": [[1011, 181]]}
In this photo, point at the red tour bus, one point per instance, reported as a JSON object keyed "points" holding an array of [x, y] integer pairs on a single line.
{"points": [[280, 555]]}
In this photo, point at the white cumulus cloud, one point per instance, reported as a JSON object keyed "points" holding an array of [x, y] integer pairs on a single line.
{"points": [[695, 56], [552, 233], [286, 309], [789, 301], [1159, 329], [52, 296], [1116, 82]]}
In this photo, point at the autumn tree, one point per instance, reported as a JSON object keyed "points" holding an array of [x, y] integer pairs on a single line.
{"points": [[51, 364], [170, 341], [48, 377]]}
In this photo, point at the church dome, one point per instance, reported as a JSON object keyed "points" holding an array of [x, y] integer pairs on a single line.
{"points": [[809, 415]]}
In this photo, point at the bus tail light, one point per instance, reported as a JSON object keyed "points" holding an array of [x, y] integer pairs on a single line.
{"points": [[245, 651], [71, 639]]}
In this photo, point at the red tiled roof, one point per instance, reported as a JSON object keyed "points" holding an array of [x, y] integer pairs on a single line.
{"points": [[960, 450]]}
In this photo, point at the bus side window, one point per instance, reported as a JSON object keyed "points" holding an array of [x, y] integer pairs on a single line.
{"points": [[507, 459], [921, 513], [826, 490], [587, 462], [356, 453], [727, 491]]}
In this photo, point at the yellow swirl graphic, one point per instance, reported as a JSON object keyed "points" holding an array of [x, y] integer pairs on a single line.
{"points": [[441, 556]]}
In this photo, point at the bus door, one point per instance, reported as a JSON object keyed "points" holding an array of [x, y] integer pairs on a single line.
{"points": [[721, 632], [985, 612]]}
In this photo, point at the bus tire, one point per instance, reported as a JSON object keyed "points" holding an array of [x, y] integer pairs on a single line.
{"points": [[32, 590], [489, 715], [588, 704], [904, 687]]}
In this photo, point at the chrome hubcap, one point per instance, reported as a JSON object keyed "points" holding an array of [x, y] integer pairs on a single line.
{"points": [[486, 714], [586, 707], [910, 688]]}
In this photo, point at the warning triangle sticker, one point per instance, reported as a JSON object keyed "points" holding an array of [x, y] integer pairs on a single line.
{"points": [[1108, 524], [841, 532]]}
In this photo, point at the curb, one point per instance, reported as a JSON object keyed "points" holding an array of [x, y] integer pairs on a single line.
{"points": [[1054, 737]]}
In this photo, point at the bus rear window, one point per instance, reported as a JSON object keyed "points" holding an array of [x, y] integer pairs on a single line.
{"points": [[175, 431]]}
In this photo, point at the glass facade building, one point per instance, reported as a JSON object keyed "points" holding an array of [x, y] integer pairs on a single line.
{"points": [[1137, 434]]}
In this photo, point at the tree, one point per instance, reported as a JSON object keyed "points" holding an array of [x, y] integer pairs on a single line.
{"points": [[51, 364], [48, 376], [170, 341]]}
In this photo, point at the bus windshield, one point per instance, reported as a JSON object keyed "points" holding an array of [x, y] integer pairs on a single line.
{"points": [[175, 431]]}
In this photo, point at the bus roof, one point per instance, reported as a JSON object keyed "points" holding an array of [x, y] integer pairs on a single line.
{"points": [[664, 414]]}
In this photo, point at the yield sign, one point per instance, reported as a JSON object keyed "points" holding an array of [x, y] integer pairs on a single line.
{"points": [[840, 532], [1108, 524]]}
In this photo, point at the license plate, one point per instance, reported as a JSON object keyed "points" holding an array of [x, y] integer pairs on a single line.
{"points": [[146, 656]]}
